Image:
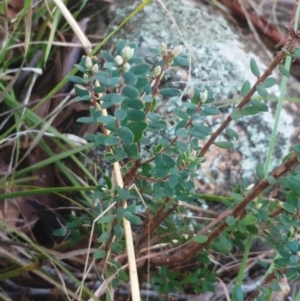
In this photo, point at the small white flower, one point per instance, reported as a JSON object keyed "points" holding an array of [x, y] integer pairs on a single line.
{"points": [[157, 71], [95, 69], [176, 51], [127, 53], [163, 49], [126, 67], [119, 60], [203, 97], [88, 63]]}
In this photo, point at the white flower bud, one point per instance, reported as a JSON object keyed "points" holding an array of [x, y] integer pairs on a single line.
{"points": [[163, 49], [176, 51], [85, 75], [88, 63], [258, 206], [157, 71], [119, 60], [126, 67], [105, 190], [203, 97], [95, 69], [249, 187], [127, 53], [96, 83]]}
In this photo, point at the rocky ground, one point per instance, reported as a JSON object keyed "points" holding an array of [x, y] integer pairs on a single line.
{"points": [[219, 48], [220, 52]]}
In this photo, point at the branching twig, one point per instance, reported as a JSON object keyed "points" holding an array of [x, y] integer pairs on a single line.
{"points": [[193, 248], [290, 44]]}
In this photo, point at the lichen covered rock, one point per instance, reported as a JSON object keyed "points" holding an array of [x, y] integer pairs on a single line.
{"points": [[219, 63]]}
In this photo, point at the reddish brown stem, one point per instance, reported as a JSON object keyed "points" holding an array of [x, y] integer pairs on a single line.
{"points": [[193, 248], [289, 45]]}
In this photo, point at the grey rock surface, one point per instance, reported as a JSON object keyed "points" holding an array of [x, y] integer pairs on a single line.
{"points": [[219, 63]]}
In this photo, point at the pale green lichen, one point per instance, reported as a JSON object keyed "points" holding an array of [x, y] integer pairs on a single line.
{"points": [[219, 63]]}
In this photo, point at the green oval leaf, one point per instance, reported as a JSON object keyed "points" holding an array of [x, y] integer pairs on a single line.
{"points": [[104, 237], [271, 180], [106, 119], [225, 243], [269, 82], [235, 114], [294, 185], [224, 144], [130, 78], [78, 80], [292, 199], [140, 69], [284, 71], [173, 180], [251, 110], [118, 231], [181, 133], [120, 114], [153, 116], [106, 218], [112, 141], [131, 150], [249, 220], [245, 88], [99, 89], [289, 208], [126, 135], [82, 92], [260, 106], [207, 111], [181, 114], [232, 134], [130, 91], [116, 247], [170, 92], [134, 103], [137, 126], [181, 60], [107, 56], [158, 124], [142, 82], [133, 219], [136, 115], [260, 171], [291, 274], [238, 293], [99, 254], [119, 46], [86, 120], [201, 239], [262, 91], [230, 220], [254, 68]]}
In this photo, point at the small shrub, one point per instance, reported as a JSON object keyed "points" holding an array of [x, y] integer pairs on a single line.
{"points": [[158, 175]]}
